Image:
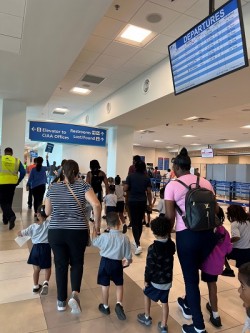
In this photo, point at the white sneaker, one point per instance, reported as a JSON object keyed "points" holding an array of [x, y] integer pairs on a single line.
{"points": [[138, 250]]}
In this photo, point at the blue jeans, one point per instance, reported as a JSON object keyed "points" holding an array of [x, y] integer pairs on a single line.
{"points": [[193, 247]]}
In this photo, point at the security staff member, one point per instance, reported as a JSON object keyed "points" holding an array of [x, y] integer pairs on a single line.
{"points": [[9, 168]]}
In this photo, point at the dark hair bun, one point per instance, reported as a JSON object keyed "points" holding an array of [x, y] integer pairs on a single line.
{"points": [[183, 152]]}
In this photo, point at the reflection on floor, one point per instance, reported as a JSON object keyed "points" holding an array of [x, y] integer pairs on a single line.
{"points": [[23, 312]]}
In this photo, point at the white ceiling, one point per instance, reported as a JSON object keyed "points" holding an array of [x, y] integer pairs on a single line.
{"points": [[61, 41]]}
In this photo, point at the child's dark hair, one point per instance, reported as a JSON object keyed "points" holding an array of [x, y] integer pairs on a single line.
{"points": [[117, 180], [245, 271], [41, 210], [237, 213], [112, 219], [221, 215], [161, 226], [112, 188]]}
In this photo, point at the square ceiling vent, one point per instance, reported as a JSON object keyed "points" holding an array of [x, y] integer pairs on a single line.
{"points": [[92, 79]]}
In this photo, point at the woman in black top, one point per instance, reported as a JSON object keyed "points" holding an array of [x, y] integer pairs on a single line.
{"points": [[139, 187], [95, 178]]}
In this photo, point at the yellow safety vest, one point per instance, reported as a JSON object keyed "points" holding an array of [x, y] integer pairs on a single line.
{"points": [[9, 166]]}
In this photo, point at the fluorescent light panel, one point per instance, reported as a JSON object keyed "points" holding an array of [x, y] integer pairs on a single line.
{"points": [[158, 141], [189, 136], [135, 33], [80, 91], [246, 126], [62, 110]]}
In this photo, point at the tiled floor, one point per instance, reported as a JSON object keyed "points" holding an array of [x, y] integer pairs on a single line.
{"points": [[23, 312]]}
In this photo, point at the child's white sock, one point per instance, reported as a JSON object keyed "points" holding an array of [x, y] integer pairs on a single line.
{"points": [[199, 331], [105, 306], [45, 281], [215, 314], [36, 286]]}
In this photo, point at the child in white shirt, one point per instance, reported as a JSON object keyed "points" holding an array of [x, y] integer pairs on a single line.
{"points": [[40, 255]]}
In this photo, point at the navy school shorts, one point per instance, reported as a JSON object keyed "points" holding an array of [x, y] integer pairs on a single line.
{"points": [[110, 270], [156, 294], [40, 255], [208, 277]]}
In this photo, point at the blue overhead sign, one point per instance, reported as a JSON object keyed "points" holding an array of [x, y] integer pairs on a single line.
{"points": [[67, 133]]}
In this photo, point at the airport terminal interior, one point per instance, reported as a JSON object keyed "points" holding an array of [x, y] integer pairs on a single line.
{"points": [[66, 62]]}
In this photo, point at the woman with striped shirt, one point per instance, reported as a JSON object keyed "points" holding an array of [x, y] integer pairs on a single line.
{"points": [[68, 231]]}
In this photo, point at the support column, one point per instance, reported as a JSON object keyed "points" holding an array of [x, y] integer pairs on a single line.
{"points": [[13, 135], [120, 151]]}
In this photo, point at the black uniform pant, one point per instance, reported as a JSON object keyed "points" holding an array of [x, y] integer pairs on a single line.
{"points": [[7, 192]]}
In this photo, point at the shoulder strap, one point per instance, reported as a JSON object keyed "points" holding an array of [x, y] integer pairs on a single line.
{"points": [[75, 197], [198, 182], [182, 183]]}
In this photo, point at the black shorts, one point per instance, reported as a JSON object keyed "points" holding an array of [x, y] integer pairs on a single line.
{"points": [[156, 294], [208, 277], [40, 255], [110, 270], [241, 256], [120, 206], [110, 209]]}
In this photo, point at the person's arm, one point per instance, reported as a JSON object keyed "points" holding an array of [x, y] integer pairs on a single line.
{"points": [[235, 232], [22, 173], [170, 211], [88, 178], [105, 180], [149, 197], [94, 202], [48, 206], [47, 161]]}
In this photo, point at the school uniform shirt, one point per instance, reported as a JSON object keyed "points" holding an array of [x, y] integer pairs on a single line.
{"points": [[113, 245], [110, 200], [161, 207], [37, 232], [241, 230], [119, 193]]}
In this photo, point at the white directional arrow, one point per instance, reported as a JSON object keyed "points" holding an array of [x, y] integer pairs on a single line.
{"points": [[33, 129]]}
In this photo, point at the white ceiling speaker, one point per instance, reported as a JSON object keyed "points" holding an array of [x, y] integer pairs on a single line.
{"points": [[87, 119], [146, 86], [108, 107]]}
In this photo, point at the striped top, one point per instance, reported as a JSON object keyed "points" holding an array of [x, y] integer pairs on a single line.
{"points": [[66, 213]]}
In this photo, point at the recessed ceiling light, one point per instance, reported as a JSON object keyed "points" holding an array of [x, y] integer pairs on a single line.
{"points": [[80, 91], [231, 140], [246, 126], [195, 144], [158, 141], [135, 33], [62, 110], [136, 144], [189, 136], [169, 147], [191, 118]]}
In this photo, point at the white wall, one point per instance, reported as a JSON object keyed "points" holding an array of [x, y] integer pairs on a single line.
{"points": [[84, 154]]}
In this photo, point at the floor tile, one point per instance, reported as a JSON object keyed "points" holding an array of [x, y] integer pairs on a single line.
{"points": [[22, 317], [15, 270], [14, 255]]}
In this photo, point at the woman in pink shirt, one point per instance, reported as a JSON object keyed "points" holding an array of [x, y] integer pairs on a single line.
{"points": [[193, 247]]}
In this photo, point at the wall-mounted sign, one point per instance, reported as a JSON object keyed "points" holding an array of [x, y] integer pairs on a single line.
{"points": [[67, 133]]}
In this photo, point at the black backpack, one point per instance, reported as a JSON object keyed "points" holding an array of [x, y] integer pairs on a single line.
{"points": [[200, 206]]}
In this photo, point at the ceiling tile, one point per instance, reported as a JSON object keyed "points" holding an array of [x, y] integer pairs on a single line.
{"points": [[120, 50], [100, 71], [87, 56], [126, 10], [108, 28], [108, 61], [79, 67], [134, 67], [180, 26], [11, 25], [200, 9], [148, 57], [10, 44], [160, 44], [140, 18], [13, 7], [96, 43], [179, 6]]}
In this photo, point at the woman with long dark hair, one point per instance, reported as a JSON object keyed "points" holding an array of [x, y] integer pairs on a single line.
{"points": [[37, 182], [68, 231]]}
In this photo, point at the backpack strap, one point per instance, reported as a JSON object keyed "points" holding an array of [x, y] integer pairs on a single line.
{"points": [[182, 183], [198, 182]]}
